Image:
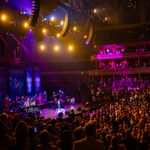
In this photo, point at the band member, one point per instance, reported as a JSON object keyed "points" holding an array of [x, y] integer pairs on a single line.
{"points": [[72, 100], [58, 105], [54, 95], [27, 102]]}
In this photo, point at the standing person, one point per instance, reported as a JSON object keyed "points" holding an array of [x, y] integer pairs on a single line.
{"points": [[89, 142], [72, 100], [58, 105]]}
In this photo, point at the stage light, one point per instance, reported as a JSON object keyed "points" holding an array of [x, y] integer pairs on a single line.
{"points": [[44, 31], [42, 47], [85, 36], [45, 19], [74, 28], [70, 48], [95, 11], [56, 48], [106, 18], [61, 22], [52, 19], [3, 17], [58, 35], [26, 25]]}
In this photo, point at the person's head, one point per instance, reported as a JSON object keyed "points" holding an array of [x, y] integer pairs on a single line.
{"points": [[21, 131], [4, 117], [127, 133], [108, 138], [90, 129], [78, 133], [31, 132], [114, 141], [66, 140], [103, 134], [66, 135], [50, 129], [44, 137]]}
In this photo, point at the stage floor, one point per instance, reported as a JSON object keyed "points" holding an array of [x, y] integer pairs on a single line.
{"points": [[53, 112]]}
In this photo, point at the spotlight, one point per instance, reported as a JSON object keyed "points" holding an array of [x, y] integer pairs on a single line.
{"points": [[58, 35], [26, 25], [61, 22], [56, 48], [106, 18], [3, 17], [42, 47], [44, 31], [107, 50], [74, 28], [45, 19], [52, 19], [95, 11], [85, 36], [70, 48]]}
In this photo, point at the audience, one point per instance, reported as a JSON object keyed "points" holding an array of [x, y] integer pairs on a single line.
{"points": [[89, 142], [116, 120]]}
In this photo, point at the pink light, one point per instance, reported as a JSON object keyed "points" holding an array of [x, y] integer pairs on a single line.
{"points": [[110, 51], [109, 56]]}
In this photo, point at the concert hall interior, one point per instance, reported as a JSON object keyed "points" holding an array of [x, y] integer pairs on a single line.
{"points": [[65, 63]]}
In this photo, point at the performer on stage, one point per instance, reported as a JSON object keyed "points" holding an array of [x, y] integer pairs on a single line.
{"points": [[72, 100], [58, 105]]}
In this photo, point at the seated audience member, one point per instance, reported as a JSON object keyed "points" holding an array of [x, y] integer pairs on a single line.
{"points": [[89, 142]]}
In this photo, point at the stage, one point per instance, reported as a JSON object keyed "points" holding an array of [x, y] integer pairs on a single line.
{"points": [[47, 111]]}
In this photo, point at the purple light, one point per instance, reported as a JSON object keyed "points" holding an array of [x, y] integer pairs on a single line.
{"points": [[111, 51], [29, 80], [107, 50], [23, 6], [37, 79], [122, 50], [110, 56]]}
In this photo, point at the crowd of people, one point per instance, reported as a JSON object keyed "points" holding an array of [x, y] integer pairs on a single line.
{"points": [[118, 124], [124, 64], [119, 83]]}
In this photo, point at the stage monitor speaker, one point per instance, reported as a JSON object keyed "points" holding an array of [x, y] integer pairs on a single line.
{"points": [[67, 112], [79, 108], [60, 114]]}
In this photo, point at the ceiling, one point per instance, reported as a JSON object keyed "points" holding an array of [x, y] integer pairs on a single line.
{"points": [[114, 18]]}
